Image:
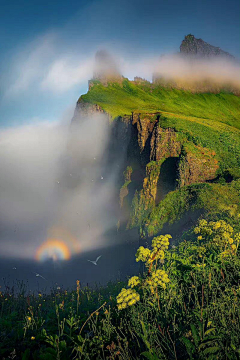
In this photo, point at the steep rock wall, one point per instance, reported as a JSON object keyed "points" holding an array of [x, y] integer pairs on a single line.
{"points": [[143, 145], [197, 165]]}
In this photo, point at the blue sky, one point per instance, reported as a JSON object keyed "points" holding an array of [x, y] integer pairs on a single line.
{"points": [[47, 47]]}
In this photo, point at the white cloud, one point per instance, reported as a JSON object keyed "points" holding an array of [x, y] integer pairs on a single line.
{"points": [[51, 177], [30, 65], [186, 71], [44, 66], [65, 73]]}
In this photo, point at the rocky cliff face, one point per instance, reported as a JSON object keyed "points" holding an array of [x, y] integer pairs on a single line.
{"points": [[149, 152], [198, 48], [196, 165], [164, 144], [156, 160], [157, 145]]}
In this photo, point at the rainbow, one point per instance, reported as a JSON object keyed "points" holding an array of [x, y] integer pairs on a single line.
{"points": [[60, 245], [53, 248]]}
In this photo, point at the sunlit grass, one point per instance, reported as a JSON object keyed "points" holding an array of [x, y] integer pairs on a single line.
{"points": [[123, 99]]}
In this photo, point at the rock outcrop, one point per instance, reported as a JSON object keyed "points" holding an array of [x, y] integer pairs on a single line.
{"points": [[197, 165], [106, 69], [191, 46], [124, 189], [84, 110], [164, 144]]}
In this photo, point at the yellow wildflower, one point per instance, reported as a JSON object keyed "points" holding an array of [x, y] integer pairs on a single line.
{"points": [[134, 281], [142, 254], [127, 297]]}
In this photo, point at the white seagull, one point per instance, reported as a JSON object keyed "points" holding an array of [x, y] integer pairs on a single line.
{"points": [[39, 275], [95, 262]]}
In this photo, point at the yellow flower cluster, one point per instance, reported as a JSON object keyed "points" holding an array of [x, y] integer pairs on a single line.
{"points": [[159, 245], [159, 278], [134, 281], [222, 235], [161, 242], [142, 254], [221, 231], [237, 238], [127, 297]]}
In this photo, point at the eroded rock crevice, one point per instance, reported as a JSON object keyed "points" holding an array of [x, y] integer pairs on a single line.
{"points": [[168, 178]]}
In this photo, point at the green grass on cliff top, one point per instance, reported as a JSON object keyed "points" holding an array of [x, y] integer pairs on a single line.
{"points": [[121, 99]]}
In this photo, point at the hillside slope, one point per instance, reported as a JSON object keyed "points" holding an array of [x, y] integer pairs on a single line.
{"points": [[121, 99]]}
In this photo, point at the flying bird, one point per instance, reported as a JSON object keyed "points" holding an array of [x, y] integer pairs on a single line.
{"points": [[39, 275], [101, 177], [14, 268], [95, 262]]}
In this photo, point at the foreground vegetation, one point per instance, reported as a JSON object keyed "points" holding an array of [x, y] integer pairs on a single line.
{"points": [[185, 305]]}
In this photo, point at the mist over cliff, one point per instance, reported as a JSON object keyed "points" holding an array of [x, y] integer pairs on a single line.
{"points": [[72, 188], [198, 67]]}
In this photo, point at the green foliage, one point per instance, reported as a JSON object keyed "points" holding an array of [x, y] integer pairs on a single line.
{"points": [[195, 316], [216, 200]]}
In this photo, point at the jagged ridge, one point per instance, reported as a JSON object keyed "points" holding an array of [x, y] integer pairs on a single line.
{"points": [[197, 47]]}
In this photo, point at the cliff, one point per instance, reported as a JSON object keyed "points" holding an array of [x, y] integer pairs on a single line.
{"points": [[172, 162], [179, 151]]}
